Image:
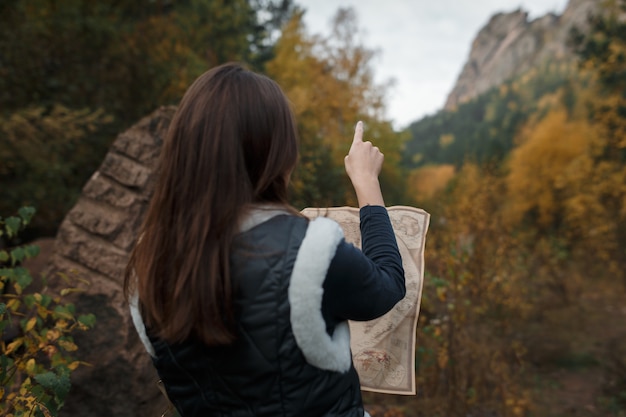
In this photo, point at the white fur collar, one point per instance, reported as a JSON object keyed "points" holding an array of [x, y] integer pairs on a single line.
{"points": [[305, 298]]}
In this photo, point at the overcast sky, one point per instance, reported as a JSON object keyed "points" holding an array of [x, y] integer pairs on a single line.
{"points": [[423, 44]]}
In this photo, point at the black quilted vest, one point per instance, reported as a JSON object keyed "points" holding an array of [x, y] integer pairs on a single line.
{"points": [[264, 372]]}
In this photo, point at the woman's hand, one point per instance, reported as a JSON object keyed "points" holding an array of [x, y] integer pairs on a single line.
{"points": [[363, 164]]}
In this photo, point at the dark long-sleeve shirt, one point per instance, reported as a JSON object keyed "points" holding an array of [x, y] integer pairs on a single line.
{"points": [[364, 285]]}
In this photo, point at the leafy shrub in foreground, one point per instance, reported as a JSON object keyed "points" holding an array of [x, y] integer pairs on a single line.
{"points": [[36, 326]]}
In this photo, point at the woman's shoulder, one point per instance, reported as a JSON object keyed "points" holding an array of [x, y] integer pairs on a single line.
{"points": [[284, 221], [259, 215]]}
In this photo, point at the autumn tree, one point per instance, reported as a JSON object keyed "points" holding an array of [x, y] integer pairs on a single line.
{"points": [[426, 182], [329, 81], [469, 352], [603, 53], [543, 168]]}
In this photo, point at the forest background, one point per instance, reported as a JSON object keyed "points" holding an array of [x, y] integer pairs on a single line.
{"points": [[523, 305]]}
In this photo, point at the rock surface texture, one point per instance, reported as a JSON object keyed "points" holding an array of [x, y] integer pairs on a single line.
{"points": [[94, 241], [510, 45]]}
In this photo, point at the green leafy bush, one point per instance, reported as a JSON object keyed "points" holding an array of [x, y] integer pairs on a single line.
{"points": [[36, 326]]}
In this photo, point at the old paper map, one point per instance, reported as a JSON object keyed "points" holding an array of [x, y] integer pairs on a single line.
{"points": [[383, 350]]}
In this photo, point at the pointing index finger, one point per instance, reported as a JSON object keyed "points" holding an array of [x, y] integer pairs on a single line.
{"points": [[358, 132]]}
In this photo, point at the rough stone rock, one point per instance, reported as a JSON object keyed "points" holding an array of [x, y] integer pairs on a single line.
{"points": [[94, 242], [510, 44]]}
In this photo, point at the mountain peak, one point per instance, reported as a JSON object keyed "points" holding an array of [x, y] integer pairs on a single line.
{"points": [[511, 44]]}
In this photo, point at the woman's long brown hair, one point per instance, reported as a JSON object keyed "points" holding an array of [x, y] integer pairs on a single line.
{"points": [[231, 143]]}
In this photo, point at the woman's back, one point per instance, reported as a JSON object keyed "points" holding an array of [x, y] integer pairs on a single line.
{"points": [[264, 372]]}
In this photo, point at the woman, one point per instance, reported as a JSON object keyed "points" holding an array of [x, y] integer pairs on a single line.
{"points": [[242, 302]]}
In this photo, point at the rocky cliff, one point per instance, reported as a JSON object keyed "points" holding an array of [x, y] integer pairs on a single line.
{"points": [[510, 44], [94, 242]]}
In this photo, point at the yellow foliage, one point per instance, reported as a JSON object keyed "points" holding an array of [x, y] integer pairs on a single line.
{"points": [[12, 347], [541, 167], [425, 182], [475, 284], [68, 346], [446, 140], [30, 366], [490, 112], [34, 373], [30, 324], [549, 101]]}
